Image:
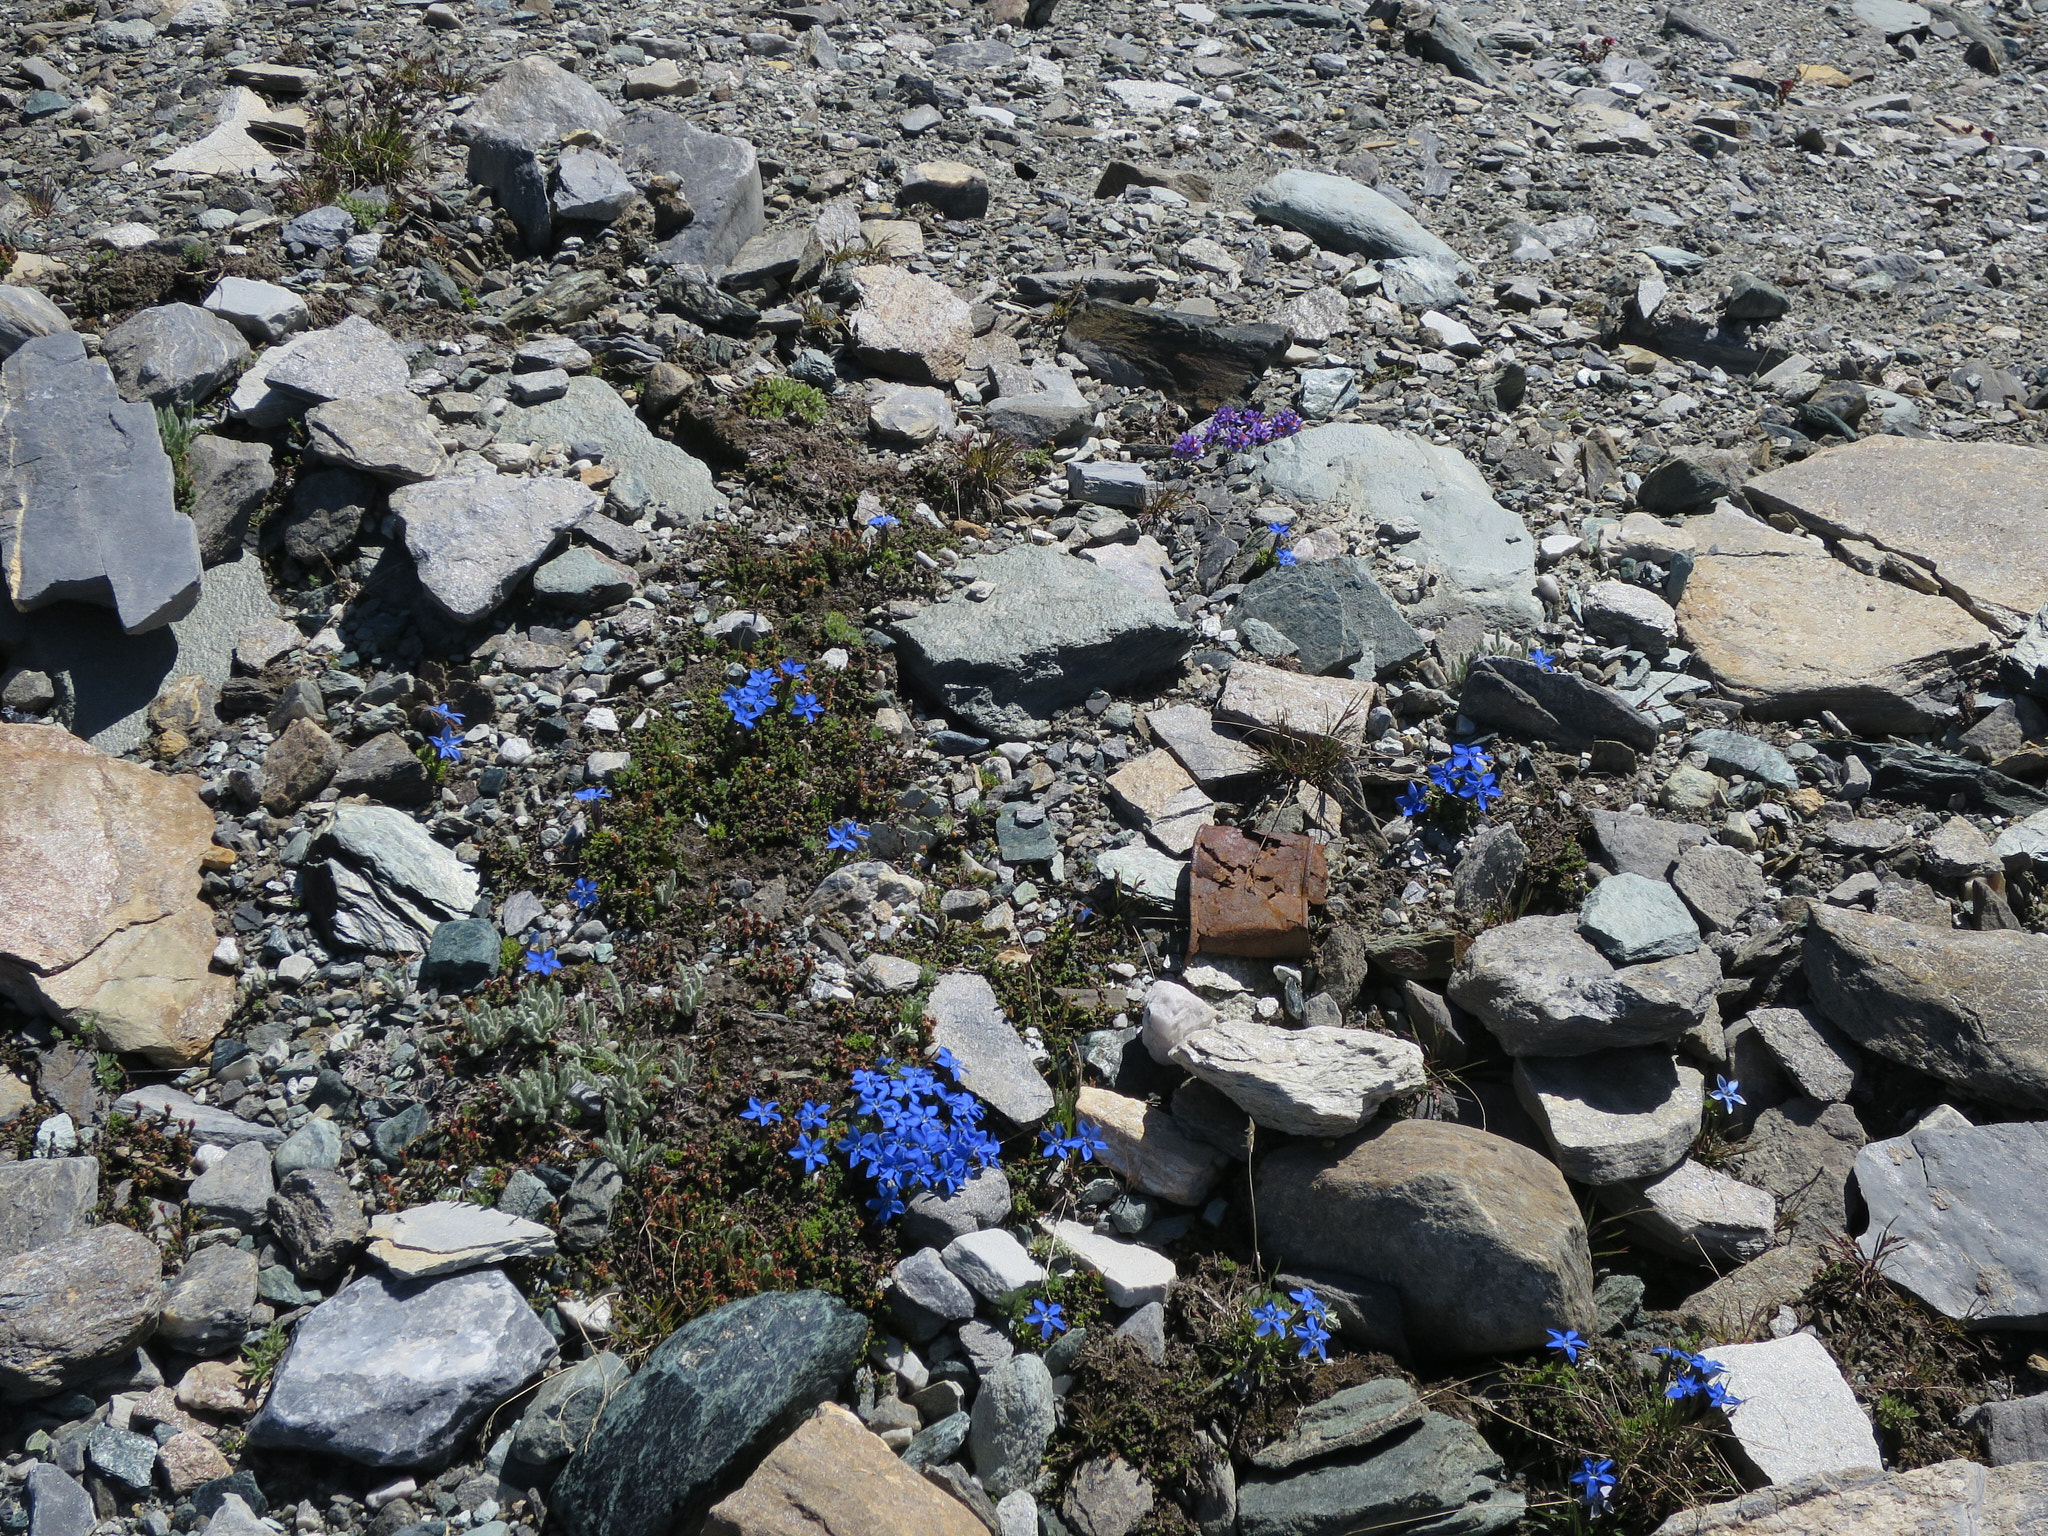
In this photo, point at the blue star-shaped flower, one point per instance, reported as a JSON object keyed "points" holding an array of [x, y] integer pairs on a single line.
{"points": [[1568, 1343], [447, 746], [1720, 1397], [1683, 1387], [946, 1061], [1087, 1140], [1727, 1093], [1309, 1302], [583, 892], [1594, 1480], [789, 666], [1052, 1141], [886, 1205], [812, 1117], [805, 707], [1048, 1318], [444, 714], [1483, 789], [1412, 801], [1284, 557], [810, 1152], [845, 836], [1278, 530], [1542, 658], [884, 521], [542, 962], [1271, 1319], [769, 1113], [1466, 758], [594, 792], [1315, 1338]]}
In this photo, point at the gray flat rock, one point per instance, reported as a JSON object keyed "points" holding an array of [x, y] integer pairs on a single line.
{"points": [[86, 507], [45, 1200], [448, 1236], [386, 884], [1699, 1215], [1544, 991], [208, 1122], [1213, 757], [1613, 1115], [1320, 1081], [649, 474], [1644, 845], [1486, 556], [1335, 613], [1630, 919], [475, 538], [995, 1065], [1344, 215], [720, 175], [1798, 1416]]}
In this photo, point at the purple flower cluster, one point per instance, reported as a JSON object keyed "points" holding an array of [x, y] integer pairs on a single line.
{"points": [[1235, 428]]}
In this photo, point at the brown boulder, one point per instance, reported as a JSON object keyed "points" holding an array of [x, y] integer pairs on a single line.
{"points": [[1479, 1235], [100, 913], [833, 1478], [298, 766]]}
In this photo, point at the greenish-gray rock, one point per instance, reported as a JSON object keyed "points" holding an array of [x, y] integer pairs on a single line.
{"points": [[1733, 752], [1335, 613], [460, 955], [1011, 1423], [584, 581], [316, 1144], [649, 475], [562, 1413], [713, 1397], [1438, 1478], [1631, 918]]}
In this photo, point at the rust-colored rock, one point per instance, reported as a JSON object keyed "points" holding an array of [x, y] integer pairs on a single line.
{"points": [[833, 1478], [100, 915], [1250, 893]]}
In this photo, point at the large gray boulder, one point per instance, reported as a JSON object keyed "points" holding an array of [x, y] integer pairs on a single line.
{"points": [[25, 315], [1336, 614], [1013, 1421], [174, 355], [1053, 631], [713, 1397], [720, 176], [73, 1309], [541, 102], [230, 480], [87, 512], [1340, 214], [1513, 694], [1959, 1217], [1613, 1115], [1376, 477], [648, 475], [1319, 1081], [1966, 1007], [352, 357], [1479, 1235], [393, 1373], [474, 538], [1544, 991], [45, 1200]]}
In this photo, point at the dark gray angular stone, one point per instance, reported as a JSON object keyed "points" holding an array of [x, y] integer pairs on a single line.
{"points": [[122, 1455], [1336, 613], [24, 314], [206, 1311], [393, 1373], [1011, 1423], [587, 1204], [1509, 693], [1750, 298], [1733, 752], [58, 1506], [175, 355], [1631, 918], [710, 1399], [924, 1296], [387, 770], [2015, 1431], [230, 479], [591, 188], [583, 580], [461, 955], [236, 1189], [1489, 871], [1643, 845], [328, 510], [720, 176], [1200, 362], [86, 505], [505, 162], [1438, 1477], [560, 1416], [318, 1220]]}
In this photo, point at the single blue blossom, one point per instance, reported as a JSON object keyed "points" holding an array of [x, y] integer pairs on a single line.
{"points": [[1048, 1318], [444, 714], [1594, 1480], [789, 666], [884, 521], [1466, 758], [1727, 1093], [946, 1061], [1309, 1302], [1719, 1396], [1683, 1386], [809, 1151], [812, 1117], [1482, 789], [1278, 530], [845, 836], [762, 1114], [1052, 1141], [583, 892], [1567, 1343], [1412, 801], [593, 792], [1542, 658], [1271, 1319], [1284, 557], [1315, 1338], [805, 707], [542, 962], [1086, 1141], [447, 746]]}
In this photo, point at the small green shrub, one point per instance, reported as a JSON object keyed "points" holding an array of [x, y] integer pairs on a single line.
{"points": [[784, 400]]}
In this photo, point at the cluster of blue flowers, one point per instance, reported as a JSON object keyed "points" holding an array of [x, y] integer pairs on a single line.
{"points": [[1235, 428], [747, 702], [1694, 1379], [1466, 775], [447, 745], [908, 1132], [1311, 1328]]}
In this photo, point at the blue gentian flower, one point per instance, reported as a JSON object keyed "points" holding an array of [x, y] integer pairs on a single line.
{"points": [[593, 792], [1594, 1480], [1283, 557], [769, 1113], [1567, 1343], [1309, 1302], [1727, 1093], [444, 714], [1542, 658], [884, 521], [542, 962], [1087, 1140], [1271, 1319], [1048, 1318], [845, 836], [805, 707], [812, 1117], [1412, 801], [447, 746], [1315, 1338], [810, 1152], [583, 892]]}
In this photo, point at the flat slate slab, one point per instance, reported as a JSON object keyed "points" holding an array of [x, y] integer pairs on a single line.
{"points": [[1908, 495], [1798, 1416]]}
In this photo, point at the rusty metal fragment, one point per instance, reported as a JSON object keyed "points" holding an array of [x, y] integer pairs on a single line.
{"points": [[1250, 893]]}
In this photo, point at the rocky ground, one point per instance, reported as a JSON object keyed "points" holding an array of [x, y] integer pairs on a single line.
{"points": [[1059, 768]]}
